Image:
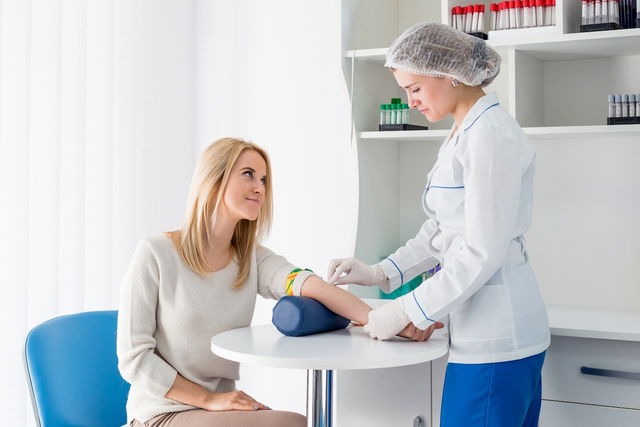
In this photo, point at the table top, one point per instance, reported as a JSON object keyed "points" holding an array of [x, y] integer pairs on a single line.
{"points": [[349, 348], [594, 323]]}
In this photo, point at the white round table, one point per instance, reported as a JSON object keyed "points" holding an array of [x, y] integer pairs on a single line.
{"points": [[321, 354]]}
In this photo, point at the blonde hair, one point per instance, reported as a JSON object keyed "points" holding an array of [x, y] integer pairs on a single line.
{"points": [[208, 185]]}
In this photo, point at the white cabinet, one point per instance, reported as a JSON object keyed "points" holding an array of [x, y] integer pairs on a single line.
{"points": [[585, 240], [597, 377], [565, 414]]}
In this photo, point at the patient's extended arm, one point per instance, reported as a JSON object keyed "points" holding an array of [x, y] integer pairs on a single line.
{"points": [[336, 299], [348, 305]]}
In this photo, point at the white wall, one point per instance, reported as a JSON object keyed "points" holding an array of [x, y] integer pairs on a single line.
{"points": [[96, 151], [269, 71]]}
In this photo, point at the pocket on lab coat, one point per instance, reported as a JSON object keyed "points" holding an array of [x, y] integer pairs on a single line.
{"points": [[446, 196], [484, 316]]}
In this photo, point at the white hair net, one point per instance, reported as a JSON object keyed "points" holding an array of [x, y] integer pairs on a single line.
{"points": [[431, 49]]}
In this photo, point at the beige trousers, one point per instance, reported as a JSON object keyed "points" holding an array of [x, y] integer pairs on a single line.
{"points": [[202, 418]]}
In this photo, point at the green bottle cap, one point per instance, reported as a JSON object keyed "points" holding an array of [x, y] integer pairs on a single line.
{"points": [[382, 106], [405, 106], [396, 100]]}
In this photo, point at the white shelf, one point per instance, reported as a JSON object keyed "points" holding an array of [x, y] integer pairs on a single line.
{"points": [[555, 132], [405, 135], [595, 44], [597, 323], [571, 132]]}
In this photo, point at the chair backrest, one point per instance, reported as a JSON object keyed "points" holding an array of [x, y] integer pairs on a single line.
{"points": [[72, 370]]}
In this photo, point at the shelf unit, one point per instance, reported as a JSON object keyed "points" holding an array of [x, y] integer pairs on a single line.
{"points": [[585, 239]]}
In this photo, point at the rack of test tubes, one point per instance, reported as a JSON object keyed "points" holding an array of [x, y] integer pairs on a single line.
{"points": [[469, 19], [395, 116], [624, 109], [600, 15], [509, 15]]}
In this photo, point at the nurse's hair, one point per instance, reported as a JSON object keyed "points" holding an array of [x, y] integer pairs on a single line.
{"points": [[208, 185]]}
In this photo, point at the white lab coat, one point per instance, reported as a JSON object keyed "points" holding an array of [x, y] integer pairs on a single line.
{"points": [[478, 202]]}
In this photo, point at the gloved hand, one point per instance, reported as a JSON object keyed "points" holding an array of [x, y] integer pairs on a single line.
{"points": [[355, 272], [387, 320]]}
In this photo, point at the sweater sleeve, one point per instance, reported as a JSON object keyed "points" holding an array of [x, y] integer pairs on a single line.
{"points": [[273, 271], [137, 360]]}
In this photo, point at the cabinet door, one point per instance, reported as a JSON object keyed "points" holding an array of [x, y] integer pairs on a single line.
{"points": [[562, 414], [383, 397]]}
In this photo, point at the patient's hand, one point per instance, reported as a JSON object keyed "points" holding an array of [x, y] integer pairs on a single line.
{"points": [[415, 334]]}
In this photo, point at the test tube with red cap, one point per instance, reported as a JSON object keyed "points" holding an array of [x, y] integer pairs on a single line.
{"points": [[494, 16]]}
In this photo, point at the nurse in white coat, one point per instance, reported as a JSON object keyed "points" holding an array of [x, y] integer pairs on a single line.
{"points": [[478, 201]]}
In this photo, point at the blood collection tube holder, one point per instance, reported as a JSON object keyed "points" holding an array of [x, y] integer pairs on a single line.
{"points": [[623, 120], [604, 26], [483, 36], [405, 126]]}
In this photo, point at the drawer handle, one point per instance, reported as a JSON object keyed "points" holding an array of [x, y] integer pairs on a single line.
{"points": [[610, 373]]}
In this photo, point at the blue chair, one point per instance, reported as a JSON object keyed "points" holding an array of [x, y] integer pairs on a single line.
{"points": [[72, 371]]}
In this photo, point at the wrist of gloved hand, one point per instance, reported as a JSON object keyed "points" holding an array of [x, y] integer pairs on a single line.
{"points": [[381, 279], [386, 321]]}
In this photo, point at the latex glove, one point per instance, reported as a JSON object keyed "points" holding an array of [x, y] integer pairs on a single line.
{"points": [[355, 272], [387, 321]]}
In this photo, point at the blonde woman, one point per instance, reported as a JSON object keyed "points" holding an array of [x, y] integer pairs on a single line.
{"points": [[185, 286]]}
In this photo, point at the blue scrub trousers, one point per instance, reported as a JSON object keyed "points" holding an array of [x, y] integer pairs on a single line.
{"points": [[503, 394]]}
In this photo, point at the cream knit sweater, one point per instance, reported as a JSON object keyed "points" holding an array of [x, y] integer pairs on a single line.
{"points": [[168, 314]]}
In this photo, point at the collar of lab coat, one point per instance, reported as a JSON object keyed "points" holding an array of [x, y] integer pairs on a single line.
{"points": [[483, 104]]}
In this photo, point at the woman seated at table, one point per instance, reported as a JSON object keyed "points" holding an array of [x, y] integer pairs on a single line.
{"points": [[185, 286]]}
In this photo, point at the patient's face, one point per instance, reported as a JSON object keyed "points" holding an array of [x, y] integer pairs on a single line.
{"points": [[246, 188]]}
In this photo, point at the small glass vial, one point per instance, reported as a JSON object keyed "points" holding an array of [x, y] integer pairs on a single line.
{"points": [[494, 16], [618, 99], [625, 105], [632, 106], [526, 20], [405, 114], [612, 106], [637, 104], [540, 13], [614, 8], [387, 114], [382, 115]]}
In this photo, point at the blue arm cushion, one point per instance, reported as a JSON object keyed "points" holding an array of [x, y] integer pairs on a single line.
{"points": [[297, 316]]}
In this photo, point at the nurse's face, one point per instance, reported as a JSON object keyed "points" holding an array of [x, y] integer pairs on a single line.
{"points": [[434, 97], [246, 187]]}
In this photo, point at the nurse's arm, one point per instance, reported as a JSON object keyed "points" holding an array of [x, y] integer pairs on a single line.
{"points": [[336, 299]]}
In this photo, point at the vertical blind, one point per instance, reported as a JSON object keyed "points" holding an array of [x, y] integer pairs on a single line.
{"points": [[96, 150]]}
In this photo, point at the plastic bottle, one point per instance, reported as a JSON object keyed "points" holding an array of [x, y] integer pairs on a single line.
{"points": [[481, 18], [611, 99]]}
